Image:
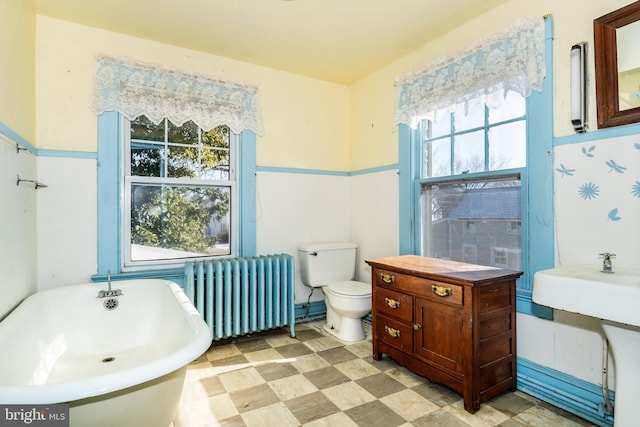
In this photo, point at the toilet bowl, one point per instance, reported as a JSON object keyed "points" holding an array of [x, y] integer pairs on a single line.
{"points": [[347, 302], [331, 267]]}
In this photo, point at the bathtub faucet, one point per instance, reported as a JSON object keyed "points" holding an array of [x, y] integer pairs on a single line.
{"points": [[607, 265], [109, 292]]}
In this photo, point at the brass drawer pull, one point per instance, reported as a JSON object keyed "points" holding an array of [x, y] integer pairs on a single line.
{"points": [[395, 333], [387, 278], [392, 303], [441, 291], [417, 326]]}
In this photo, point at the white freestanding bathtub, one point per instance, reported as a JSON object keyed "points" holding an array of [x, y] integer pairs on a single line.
{"points": [[122, 366]]}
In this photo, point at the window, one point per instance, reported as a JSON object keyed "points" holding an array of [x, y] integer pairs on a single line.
{"points": [[168, 193], [462, 149], [470, 186], [179, 186]]}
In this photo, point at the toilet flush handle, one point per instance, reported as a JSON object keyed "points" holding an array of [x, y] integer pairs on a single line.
{"points": [[313, 253]]}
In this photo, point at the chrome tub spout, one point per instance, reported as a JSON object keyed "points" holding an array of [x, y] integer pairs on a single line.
{"points": [[109, 292]]}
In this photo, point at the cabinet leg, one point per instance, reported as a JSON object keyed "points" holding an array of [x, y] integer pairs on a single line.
{"points": [[374, 346], [471, 407]]}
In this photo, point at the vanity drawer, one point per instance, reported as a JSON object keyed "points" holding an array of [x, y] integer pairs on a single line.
{"points": [[394, 333], [444, 292], [393, 304], [434, 290]]}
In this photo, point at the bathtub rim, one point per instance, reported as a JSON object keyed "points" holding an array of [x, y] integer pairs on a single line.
{"points": [[97, 385]]}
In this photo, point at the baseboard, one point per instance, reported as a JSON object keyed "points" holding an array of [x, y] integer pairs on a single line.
{"points": [[317, 310], [306, 312], [564, 391]]}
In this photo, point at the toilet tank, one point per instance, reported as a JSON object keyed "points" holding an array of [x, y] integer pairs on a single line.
{"points": [[323, 263]]}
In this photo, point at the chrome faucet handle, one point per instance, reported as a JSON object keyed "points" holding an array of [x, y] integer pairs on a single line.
{"points": [[607, 265]]}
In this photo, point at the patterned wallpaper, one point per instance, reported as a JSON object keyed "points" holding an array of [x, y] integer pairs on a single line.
{"points": [[597, 201]]}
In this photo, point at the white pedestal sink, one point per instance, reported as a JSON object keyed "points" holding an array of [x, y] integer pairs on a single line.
{"points": [[614, 298]]}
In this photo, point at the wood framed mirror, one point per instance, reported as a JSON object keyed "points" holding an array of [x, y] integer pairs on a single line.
{"points": [[617, 66]]}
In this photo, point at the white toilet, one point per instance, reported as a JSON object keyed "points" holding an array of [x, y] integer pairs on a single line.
{"points": [[331, 266]]}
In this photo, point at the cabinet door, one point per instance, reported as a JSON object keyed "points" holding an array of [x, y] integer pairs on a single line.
{"points": [[441, 336]]}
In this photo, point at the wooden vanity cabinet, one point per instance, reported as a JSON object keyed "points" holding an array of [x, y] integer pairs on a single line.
{"points": [[452, 322]]}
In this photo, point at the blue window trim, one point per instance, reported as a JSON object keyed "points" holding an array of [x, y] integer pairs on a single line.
{"points": [[110, 198], [537, 182]]}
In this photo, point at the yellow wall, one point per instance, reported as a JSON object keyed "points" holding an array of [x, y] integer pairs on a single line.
{"points": [[309, 124], [372, 135], [17, 82], [306, 120]]}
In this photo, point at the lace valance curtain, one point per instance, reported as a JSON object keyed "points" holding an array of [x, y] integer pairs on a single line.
{"points": [[134, 89], [512, 59]]}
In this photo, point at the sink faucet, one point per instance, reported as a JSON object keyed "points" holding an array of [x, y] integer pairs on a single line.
{"points": [[607, 266], [109, 292]]}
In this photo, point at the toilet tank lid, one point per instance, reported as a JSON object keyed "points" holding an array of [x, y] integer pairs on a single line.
{"points": [[325, 246]]}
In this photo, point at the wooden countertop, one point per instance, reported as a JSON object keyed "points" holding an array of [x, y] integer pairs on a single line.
{"points": [[439, 269]]}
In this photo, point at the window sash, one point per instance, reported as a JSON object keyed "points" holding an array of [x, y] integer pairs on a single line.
{"points": [[426, 220], [453, 137], [125, 230]]}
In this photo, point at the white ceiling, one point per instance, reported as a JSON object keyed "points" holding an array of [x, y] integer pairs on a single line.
{"points": [[334, 40]]}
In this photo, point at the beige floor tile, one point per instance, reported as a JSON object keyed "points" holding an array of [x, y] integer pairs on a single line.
{"points": [[293, 386], [486, 416], [280, 340], [309, 362], [267, 355], [360, 349], [340, 419], [409, 404], [538, 416], [348, 395], [357, 368], [205, 411], [222, 351], [241, 379], [323, 343], [272, 415], [222, 407], [201, 372], [405, 376]]}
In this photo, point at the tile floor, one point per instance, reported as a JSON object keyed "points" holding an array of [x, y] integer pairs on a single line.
{"points": [[313, 380]]}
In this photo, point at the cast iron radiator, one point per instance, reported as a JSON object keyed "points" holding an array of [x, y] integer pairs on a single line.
{"points": [[242, 295]]}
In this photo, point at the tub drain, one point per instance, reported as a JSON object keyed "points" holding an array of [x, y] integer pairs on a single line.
{"points": [[110, 303], [108, 359]]}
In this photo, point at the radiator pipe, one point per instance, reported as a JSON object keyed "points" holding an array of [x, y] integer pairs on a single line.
{"points": [[605, 375], [308, 308]]}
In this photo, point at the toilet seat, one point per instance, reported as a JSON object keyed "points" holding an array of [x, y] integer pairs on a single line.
{"points": [[350, 288]]}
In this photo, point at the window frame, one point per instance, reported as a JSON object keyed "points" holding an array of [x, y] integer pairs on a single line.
{"points": [[128, 180], [110, 199]]}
